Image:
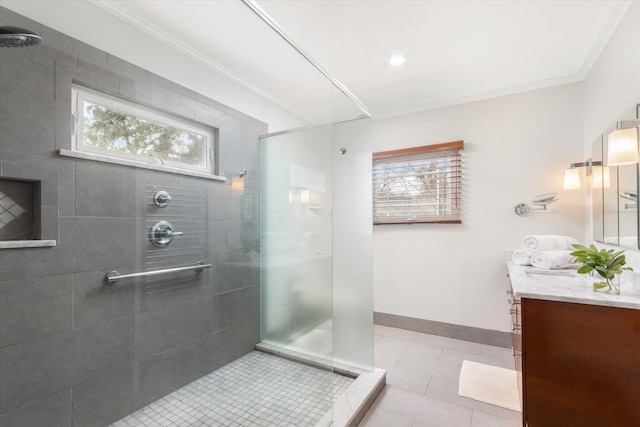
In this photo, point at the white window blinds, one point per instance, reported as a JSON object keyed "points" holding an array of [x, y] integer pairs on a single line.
{"points": [[420, 184]]}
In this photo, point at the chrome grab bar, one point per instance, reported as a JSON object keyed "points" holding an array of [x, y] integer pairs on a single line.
{"points": [[113, 276]]}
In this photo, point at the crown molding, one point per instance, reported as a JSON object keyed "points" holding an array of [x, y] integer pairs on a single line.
{"points": [[484, 96], [618, 13], [608, 30], [622, 6], [116, 9]]}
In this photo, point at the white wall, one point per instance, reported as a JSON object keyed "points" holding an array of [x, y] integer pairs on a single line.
{"points": [[515, 148], [92, 25], [612, 88]]}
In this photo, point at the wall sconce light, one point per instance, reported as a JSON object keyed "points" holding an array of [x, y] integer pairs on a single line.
{"points": [[623, 142], [304, 196], [540, 201], [623, 147], [571, 179], [572, 175], [601, 177], [299, 195], [237, 184]]}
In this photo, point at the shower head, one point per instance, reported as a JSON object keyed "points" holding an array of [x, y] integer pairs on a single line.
{"points": [[18, 37]]}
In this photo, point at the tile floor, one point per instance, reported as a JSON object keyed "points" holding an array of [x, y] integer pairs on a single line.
{"points": [[257, 389], [422, 382], [264, 390]]}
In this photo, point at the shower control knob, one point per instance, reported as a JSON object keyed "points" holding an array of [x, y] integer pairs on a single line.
{"points": [[162, 198], [161, 233], [169, 233]]}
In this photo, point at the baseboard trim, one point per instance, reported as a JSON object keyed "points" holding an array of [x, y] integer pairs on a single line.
{"points": [[466, 333]]}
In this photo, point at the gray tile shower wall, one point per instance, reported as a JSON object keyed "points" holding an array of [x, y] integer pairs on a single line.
{"points": [[74, 351]]}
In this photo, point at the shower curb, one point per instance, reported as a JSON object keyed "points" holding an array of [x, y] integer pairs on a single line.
{"points": [[354, 403]]}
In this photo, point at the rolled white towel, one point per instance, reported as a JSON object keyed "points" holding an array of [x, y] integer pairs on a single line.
{"points": [[553, 259], [522, 256], [629, 241], [547, 242], [611, 240]]}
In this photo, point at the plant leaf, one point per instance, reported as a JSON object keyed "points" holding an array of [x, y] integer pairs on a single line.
{"points": [[585, 269]]}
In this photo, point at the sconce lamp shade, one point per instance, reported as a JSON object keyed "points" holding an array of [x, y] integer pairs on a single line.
{"points": [[237, 185], [304, 196], [571, 179], [623, 147], [601, 178]]}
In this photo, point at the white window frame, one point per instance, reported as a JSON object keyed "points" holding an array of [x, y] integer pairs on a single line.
{"points": [[81, 94], [445, 198]]}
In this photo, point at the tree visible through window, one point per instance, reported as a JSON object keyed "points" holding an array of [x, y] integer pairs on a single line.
{"points": [[115, 127], [421, 184]]}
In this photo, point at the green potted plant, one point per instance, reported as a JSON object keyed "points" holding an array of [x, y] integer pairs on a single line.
{"points": [[602, 265]]}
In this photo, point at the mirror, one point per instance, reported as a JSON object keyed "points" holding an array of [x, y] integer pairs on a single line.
{"points": [[628, 205], [614, 194], [597, 192], [609, 199]]}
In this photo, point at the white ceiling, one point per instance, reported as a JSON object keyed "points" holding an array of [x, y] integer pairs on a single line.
{"points": [[456, 51]]}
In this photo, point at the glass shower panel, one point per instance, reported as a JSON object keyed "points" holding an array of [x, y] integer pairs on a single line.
{"points": [[296, 228], [352, 245], [316, 276]]}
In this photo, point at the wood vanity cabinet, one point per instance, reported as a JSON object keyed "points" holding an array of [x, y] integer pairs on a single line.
{"points": [[579, 363], [516, 337]]}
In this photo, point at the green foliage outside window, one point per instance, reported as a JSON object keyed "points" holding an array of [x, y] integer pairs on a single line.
{"points": [[112, 130]]}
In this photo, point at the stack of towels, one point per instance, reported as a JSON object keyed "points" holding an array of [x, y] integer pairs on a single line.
{"points": [[546, 251]]}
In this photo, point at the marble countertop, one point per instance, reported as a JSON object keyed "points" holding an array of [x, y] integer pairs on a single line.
{"points": [[569, 286]]}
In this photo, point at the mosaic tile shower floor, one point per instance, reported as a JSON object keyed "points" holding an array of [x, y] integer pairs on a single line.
{"points": [[257, 389]]}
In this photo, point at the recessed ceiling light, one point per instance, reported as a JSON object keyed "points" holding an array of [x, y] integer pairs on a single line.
{"points": [[397, 60]]}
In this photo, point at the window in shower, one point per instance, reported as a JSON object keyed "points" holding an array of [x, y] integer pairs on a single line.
{"points": [[418, 185], [118, 129]]}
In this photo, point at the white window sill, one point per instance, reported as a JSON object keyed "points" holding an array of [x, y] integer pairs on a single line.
{"points": [[142, 165], [16, 244]]}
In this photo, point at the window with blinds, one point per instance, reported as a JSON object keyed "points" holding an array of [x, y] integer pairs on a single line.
{"points": [[418, 185]]}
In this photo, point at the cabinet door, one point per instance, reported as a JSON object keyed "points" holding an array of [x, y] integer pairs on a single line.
{"points": [[581, 365]]}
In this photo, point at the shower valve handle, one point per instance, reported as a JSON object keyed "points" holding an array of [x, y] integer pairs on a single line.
{"points": [[161, 233], [162, 198], [170, 233]]}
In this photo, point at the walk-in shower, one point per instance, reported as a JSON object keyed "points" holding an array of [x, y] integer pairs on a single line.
{"points": [[150, 294]]}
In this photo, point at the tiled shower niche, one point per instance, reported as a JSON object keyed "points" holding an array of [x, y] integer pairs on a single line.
{"points": [[19, 212], [28, 206]]}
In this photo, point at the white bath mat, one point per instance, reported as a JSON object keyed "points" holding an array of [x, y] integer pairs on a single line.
{"points": [[489, 384]]}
